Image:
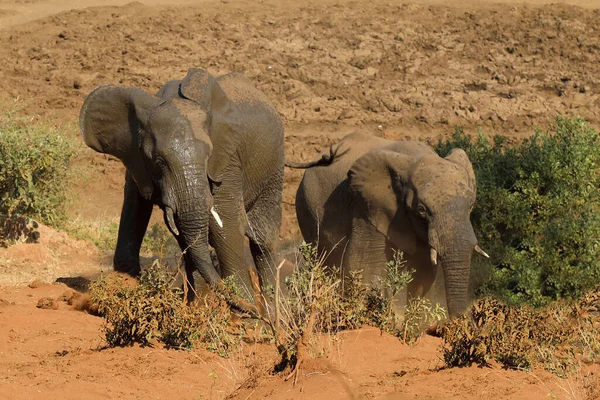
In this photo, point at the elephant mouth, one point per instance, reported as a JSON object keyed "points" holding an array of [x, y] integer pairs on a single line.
{"points": [[433, 254], [170, 219]]}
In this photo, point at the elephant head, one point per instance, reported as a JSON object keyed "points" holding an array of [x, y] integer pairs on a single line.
{"points": [[169, 149], [422, 201]]}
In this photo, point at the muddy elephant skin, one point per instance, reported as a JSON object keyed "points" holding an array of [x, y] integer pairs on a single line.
{"points": [[373, 196], [209, 152]]}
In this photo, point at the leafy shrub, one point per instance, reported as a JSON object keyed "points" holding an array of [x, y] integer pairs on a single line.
{"points": [[319, 302], [152, 311], [343, 305], [314, 288], [419, 314], [34, 160], [521, 336], [537, 211]]}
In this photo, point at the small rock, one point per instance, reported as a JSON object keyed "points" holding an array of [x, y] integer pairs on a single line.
{"points": [[584, 89], [47, 303], [83, 302], [460, 113], [36, 284], [501, 78], [67, 296], [371, 72], [76, 85]]}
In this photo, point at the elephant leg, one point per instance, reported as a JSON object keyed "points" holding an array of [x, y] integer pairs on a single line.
{"points": [[425, 272], [366, 251], [428, 279], [264, 221], [307, 220], [135, 216], [228, 240], [369, 250]]}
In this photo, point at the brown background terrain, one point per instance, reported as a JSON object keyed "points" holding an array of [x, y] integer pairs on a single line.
{"points": [[394, 69]]}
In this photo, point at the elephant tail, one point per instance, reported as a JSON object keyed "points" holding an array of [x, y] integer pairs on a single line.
{"points": [[326, 159]]}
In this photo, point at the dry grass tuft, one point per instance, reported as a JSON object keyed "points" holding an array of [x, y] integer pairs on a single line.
{"points": [[521, 336], [151, 312]]}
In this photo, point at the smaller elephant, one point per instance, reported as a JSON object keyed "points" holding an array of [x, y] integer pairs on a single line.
{"points": [[209, 152], [371, 196]]}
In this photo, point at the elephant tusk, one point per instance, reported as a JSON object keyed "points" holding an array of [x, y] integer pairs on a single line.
{"points": [[216, 216], [433, 256], [483, 253], [171, 221]]}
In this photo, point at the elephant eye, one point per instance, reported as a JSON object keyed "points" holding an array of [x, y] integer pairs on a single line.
{"points": [[160, 163], [422, 210]]}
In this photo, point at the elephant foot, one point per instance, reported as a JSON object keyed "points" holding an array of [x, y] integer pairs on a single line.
{"points": [[131, 271]]}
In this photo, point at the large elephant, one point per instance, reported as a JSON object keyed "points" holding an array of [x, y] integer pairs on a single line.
{"points": [[372, 196], [209, 152]]}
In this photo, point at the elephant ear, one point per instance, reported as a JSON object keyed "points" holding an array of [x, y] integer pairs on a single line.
{"points": [[197, 86], [112, 120], [376, 181], [458, 156], [225, 120], [169, 90]]}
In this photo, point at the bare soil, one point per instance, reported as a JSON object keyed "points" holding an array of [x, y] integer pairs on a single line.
{"points": [[59, 353], [392, 68]]}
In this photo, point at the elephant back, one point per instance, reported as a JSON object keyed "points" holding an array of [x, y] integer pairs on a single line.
{"points": [[240, 90], [326, 185], [243, 125], [346, 152], [261, 150], [258, 115], [411, 148]]}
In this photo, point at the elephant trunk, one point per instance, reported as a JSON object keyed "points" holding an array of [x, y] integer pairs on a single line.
{"points": [[456, 243], [192, 221], [457, 265]]}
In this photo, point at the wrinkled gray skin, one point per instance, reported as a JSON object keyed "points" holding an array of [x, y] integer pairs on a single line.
{"points": [[209, 152], [373, 196]]}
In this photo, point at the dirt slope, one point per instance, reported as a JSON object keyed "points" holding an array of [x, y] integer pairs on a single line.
{"points": [[394, 69]]}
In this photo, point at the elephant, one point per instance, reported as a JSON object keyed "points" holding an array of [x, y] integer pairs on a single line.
{"points": [[209, 152], [372, 196]]}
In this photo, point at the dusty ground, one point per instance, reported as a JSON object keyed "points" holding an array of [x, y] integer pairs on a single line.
{"points": [[392, 68], [58, 354]]}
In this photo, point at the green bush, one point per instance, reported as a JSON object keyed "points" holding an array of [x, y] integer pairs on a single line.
{"points": [[34, 162], [537, 211]]}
